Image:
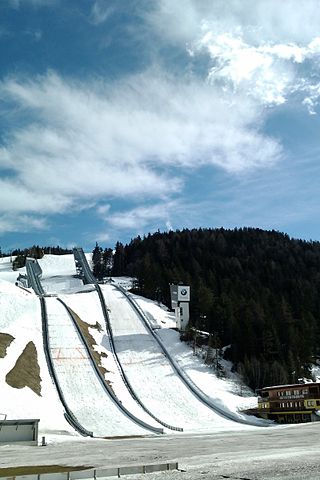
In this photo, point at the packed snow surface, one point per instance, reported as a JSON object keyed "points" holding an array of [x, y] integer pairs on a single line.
{"points": [[151, 373], [90, 312], [142, 359], [81, 385]]}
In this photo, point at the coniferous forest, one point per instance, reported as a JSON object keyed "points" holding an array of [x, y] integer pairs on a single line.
{"points": [[257, 291]]}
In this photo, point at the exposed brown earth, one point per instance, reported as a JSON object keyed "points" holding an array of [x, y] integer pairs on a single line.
{"points": [[26, 372], [84, 327], [5, 342]]}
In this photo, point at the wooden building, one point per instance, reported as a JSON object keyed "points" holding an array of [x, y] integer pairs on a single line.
{"points": [[290, 403]]}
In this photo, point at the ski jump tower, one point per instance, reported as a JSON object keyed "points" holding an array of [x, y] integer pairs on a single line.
{"points": [[180, 298]]}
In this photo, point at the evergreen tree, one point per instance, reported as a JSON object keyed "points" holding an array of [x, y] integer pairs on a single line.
{"points": [[259, 291], [98, 269]]}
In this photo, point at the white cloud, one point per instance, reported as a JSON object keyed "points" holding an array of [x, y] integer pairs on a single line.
{"points": [[269, 72], [21, 223], [136, 138], [169, 225], [102, 210], [100, 12], [17, 197], [102, 237], [35, 3], [256, 48], [264, 20], [141, 216]]}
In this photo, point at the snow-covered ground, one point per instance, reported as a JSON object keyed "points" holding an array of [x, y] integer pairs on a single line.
{"points": [[145, 364], [153, 377], [81, 386]]}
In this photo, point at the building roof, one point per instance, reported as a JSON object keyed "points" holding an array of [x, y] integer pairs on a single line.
{"points": [[293, 385]]}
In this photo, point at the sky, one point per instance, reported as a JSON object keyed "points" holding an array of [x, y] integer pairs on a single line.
{"points": [[119, 118]]}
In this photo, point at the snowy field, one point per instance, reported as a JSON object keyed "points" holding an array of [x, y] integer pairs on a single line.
{"points": [[210, 448], [152, 375], [143, 361], [286, 452]]}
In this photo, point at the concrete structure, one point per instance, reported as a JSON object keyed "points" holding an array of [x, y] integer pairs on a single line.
{"points": [[23, 431], [180, 298]]}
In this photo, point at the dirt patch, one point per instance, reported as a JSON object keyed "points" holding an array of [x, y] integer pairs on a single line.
{"points": [[26, 372], [84, 327], [5, 342]]}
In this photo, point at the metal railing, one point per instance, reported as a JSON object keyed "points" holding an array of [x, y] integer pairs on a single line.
{"points": [[69, 415], [34, 273], [121, 370], [102, 379], [199, 394], [80, 257], [89, 278]]}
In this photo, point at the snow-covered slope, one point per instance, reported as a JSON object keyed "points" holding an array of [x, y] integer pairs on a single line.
{"points": [[151, 373], [90, 312], [20, 317], [81, 386], [144, 362]]}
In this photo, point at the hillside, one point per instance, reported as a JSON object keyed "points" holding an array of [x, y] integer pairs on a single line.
{"points": [[27, 386], [255, 290]]}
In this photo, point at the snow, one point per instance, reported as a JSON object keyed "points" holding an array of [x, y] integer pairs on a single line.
{"points": [[81, 386], [145, 364], [20, 317], [152, 375], [90, 311]]}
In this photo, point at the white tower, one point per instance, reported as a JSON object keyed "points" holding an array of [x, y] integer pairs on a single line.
{"points": [[180, 298]]}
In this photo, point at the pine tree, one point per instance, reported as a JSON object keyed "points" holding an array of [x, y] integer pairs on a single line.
{"points": [[97, 262]]}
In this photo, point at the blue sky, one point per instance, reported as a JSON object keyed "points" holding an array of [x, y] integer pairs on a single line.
{"points": [[119, 118]]}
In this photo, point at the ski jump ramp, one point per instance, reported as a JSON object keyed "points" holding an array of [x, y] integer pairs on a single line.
{"points": [[151, 373], [82, 388]]}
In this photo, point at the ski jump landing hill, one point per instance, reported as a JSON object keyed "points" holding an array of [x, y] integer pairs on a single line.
{"points": [[114, 371]]}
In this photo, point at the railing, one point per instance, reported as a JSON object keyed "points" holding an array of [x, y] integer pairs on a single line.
{"points": [[121, 370], [284, 398], [199, 394], [81, 259], [69, 416], [102, 379], [89, 278], [34, 273]]}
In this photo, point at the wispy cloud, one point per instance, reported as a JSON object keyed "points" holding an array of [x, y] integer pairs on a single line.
{"points": [[131, 138], [21, 223], [139, 217], [36, 35], [34, 3], [101, 11]]}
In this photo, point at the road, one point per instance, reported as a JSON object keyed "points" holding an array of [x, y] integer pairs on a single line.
{"points": [[285, 452]]}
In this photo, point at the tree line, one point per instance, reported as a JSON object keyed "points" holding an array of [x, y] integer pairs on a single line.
{"points": [[256, 291], [20, 255]]}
